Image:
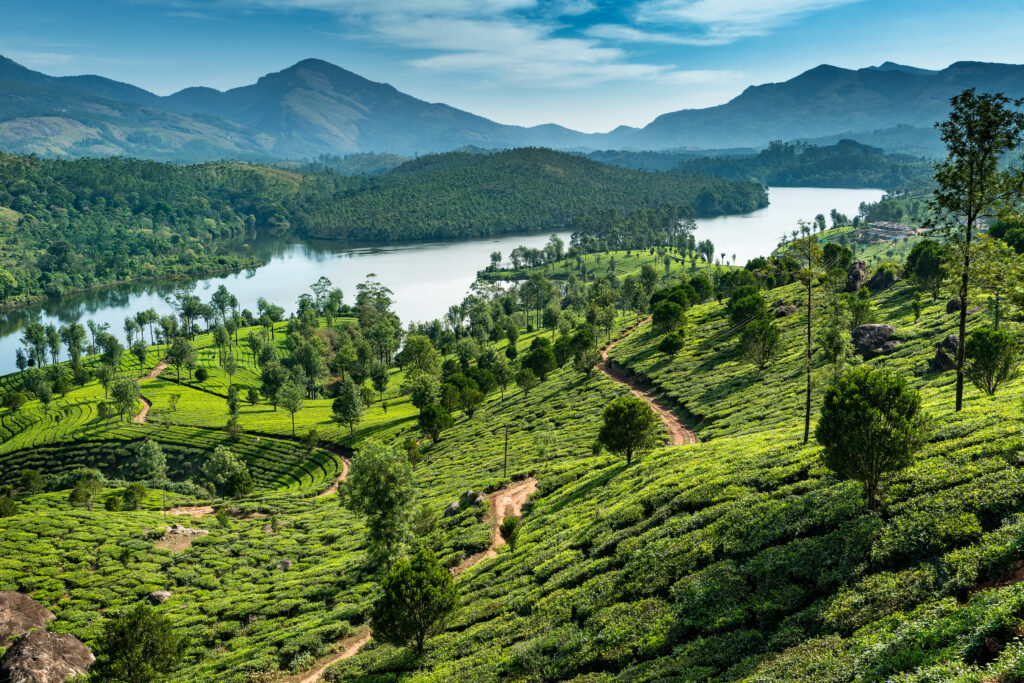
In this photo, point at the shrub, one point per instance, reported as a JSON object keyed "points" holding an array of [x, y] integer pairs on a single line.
{"points": [[993, 356], [138, 645], [630, 427], [416, 597], [871, 423], [671, 344], [202, 375]]}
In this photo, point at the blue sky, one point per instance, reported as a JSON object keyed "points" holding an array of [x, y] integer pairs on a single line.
{"points": [[586, 64]]}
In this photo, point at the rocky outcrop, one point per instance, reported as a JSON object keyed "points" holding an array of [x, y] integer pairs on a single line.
{"points": [[44, 657], [953, 305], [951, 343], [785, 311], [468, 498], [158, 597], [856, 276], [942, 362], [179, 530], [874, 340], [20, 614]]}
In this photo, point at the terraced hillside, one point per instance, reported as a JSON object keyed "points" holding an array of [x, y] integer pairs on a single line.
{"points": [[740, 557]]}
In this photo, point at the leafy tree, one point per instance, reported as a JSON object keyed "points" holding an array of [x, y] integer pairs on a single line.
{"points": [[471, 398], [139, 645], [509, 530], [833, 337], [291, 397], [433, 420], [348, 406], [133, 495], [925, 266], [630, 427], [85, 492], [745, 304], [526, 380], [140, 351], [587, 359], [871, 423], [379, 487], [181, 354], [416, 597], [667, 316], [423, 389], [125, 393], [861, 308], [979, 131], [540, 359], [228, 473], [13, 400], [379, 376], [8, 508], [153, 463], [671, 344], [759, 342], [994, 356], [31, 482]]}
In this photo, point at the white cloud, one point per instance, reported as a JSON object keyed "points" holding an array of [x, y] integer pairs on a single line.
{"points": [[40, 59], [716, 22]]}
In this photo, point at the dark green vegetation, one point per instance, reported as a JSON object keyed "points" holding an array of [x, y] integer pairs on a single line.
{"points": [[73, 225], [844, 164]]}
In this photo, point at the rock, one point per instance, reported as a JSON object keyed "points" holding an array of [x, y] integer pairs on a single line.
{"points": [[785, 311], [953, 305], [884, 278], [159, 597], [779, 303], [284, 565], [179, 530], [452, 509], [951, 343], [44, 657], [468, 498], [19, 614], [942, 362], [856, 276], [874, 340]]}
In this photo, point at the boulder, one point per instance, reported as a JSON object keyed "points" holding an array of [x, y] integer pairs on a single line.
{"points": [[20, 614], [158, 597], [44, 657], [942, 362], [785, 311], [470, 497], [874, 340], [951, 343], [284, 565], [452, 509], [179, 530], [953, 305], [884, 278], [856, 275]]}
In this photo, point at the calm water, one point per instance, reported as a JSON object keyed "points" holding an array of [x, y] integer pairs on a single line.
{"points": [[426, 277]]}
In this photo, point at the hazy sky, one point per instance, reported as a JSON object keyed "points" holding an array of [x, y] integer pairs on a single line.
{"points": [[586, 64]]}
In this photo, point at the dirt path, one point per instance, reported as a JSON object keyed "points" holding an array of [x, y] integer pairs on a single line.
{"points": [[507, 501], [349, 646], [155, 372], [679, 434], [341, 477], [197, 511]]}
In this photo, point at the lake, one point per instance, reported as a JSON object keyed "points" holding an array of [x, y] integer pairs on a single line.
{"points": [[426, 277]]}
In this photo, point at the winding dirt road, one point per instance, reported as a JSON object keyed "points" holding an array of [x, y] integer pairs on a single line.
{"points": [[146, 405], [507, 501], [679, 434], [349, 646], [341, 477]]}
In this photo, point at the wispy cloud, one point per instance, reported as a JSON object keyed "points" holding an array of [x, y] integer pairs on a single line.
{"points": [[40, 59], [717, 22]]}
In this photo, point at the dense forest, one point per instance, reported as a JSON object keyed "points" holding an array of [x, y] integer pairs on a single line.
{"points": [[461, 194], [71, 225], [844, 164]]}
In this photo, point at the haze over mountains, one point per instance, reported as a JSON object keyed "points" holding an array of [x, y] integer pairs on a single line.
{"points": [[315, 108]]}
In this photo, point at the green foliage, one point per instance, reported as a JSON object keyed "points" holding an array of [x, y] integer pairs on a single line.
{"points": [[759, 342], [8, 508], [229, 474], [138, 645], [416, 597], [994, 357], [925, 266], [379, 487], [629, 428], [348, 406], [871, 424], [433, 420]]}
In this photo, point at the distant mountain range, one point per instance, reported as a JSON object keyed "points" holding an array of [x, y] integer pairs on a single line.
{"points": [[315, 108]]}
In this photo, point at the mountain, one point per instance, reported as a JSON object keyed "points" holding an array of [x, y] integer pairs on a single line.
{"points": [[825, 101], [314, 108]]}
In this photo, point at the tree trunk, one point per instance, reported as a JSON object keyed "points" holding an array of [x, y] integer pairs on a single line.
{"points": [[807, 410], [964, 282]]}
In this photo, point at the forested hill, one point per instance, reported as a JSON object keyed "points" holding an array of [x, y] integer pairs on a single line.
{"points": [[460, 194], [71, 225], [844, 164]]}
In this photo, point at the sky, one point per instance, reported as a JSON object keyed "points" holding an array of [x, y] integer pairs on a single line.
{"points": [[590, 65]]}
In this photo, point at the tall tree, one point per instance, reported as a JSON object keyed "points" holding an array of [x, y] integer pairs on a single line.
{"points": [[630, 427], [379, 487], [416, 596], [807, 251], [979, 131]]}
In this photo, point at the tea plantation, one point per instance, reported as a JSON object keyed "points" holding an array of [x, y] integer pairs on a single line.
{"points": [[741, 557]]}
